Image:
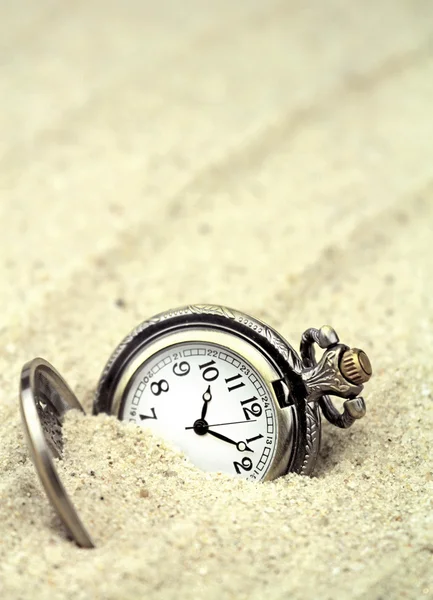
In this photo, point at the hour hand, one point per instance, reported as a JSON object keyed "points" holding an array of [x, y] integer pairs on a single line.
{"points": [[207, 397]]}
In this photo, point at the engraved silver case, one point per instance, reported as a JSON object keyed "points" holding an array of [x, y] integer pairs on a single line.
{"points": [[282, 369]]}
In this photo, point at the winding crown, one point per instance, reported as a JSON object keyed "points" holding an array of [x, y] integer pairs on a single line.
{"points": [[355, 366]]}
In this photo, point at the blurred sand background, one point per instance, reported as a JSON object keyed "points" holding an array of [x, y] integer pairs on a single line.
{"points": [[276, 157]]}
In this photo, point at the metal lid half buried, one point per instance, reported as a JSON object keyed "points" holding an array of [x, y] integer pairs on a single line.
{"points": [[45, 397]]}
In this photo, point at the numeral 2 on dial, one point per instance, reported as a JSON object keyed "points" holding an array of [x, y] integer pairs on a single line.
{"points": [[246, 464]]}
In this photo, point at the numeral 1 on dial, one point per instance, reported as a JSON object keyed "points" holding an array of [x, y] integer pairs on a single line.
{"points": [[253, 439]]}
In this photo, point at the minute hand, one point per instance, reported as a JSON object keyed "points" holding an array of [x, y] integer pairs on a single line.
{"points": [[241, 446], [231, 423], [222, 437]]}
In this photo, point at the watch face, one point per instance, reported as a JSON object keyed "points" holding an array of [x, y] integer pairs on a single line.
{"points": [[210, 403]]}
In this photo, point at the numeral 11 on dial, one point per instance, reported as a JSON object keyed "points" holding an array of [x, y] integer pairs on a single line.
{"points": [[236, 386]]}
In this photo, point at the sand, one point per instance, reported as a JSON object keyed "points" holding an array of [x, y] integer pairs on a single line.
{"points": [[275, 157]]}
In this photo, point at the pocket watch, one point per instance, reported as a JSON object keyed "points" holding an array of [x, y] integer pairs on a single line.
{"points": [[231, 392]]}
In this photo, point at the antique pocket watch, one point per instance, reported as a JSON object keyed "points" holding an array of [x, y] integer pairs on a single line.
{"points": [[220, 385], [230, 392]]}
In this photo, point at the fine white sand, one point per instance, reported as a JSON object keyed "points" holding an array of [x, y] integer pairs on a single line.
{"points": [[271, 156]]}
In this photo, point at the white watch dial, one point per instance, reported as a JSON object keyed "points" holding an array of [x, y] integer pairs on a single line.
{"points": [[210, 403]]}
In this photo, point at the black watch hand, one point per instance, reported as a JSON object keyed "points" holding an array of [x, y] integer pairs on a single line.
{"points": [[231, 423], [222, 437], [207, 397], [241, 446]]}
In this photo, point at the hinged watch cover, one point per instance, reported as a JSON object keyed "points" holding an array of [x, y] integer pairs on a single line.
{"points": [[45, 398]]}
